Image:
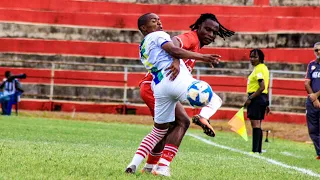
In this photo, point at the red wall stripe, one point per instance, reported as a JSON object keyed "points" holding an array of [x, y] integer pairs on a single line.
{"points": [[132, 8], [125, 50], [236, 23], [222, 113]]}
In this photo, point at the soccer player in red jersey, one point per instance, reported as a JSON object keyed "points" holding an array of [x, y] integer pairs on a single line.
{"points": [[203, 32]]}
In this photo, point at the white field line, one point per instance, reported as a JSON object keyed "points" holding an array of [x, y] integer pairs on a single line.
{"points": [[301, 170], [290, 154]]}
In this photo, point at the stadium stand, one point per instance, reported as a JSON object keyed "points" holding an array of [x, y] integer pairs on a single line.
{"points": [[79, 36]]}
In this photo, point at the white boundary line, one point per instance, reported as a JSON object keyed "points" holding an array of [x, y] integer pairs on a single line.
{"points": [[301, 170]]}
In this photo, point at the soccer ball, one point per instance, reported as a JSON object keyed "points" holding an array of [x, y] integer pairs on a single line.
{"points": [[199, 94]]}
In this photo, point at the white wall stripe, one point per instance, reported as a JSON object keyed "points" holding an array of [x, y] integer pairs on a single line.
{"points": [[301, 170]]}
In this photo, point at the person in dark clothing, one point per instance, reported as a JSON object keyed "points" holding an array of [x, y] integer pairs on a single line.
{"points": [[11, 90], [312, 85]]}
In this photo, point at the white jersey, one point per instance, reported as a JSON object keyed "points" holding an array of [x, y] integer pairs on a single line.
{"points": [[166, 92], [9, 87], [153, 57]]}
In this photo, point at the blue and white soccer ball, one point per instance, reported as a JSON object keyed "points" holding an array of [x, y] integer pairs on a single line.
{"points": [[199, 94]]}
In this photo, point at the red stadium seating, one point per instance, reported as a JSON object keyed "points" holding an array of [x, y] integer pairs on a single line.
{"points": [[256, 19], [253, 23], [130, 8]]}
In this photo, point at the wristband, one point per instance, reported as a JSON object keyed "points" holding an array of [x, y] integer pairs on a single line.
{"points": [[268, 103]]}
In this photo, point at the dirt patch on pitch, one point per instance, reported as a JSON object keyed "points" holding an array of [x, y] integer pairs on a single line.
{"points": [[295, 132]]}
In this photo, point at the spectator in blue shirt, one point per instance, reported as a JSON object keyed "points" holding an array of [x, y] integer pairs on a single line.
{"points": [[11, 90]]}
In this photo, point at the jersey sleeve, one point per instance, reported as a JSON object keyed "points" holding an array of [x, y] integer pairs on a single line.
{"points": [[308, 75], [161, 38], [260, 74], [187, 41]]}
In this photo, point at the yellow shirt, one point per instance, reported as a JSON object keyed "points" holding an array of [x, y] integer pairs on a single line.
{"points": [[259, 72]]}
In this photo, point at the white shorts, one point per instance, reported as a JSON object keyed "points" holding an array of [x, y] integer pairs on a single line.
{"points": [[167, 93]]}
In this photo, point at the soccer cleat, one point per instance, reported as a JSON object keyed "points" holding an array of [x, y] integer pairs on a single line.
{"points": [[131, 169], [161, 171], [318, 158], [204, 124], [147, 168]]}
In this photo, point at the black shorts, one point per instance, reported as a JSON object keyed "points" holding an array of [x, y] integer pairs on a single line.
{"points": [[257, 107]]}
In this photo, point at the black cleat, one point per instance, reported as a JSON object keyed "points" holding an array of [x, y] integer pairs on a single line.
{"points": [[197, 121], [131, 169]]}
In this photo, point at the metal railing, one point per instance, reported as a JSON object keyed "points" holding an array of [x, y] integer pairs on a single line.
{"points": [[127, 69]]}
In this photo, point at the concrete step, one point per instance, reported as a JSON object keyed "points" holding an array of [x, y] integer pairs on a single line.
{"points": [[131, 50], [92, 63]]}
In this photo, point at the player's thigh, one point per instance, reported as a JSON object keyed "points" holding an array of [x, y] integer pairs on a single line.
{"points": [[312, 115], [182, 89], [146, 95], [164, 110], [182, 118], [256, 109]]}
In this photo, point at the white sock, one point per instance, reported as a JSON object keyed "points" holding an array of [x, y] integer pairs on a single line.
{"points": [[212, 107], [136, 160], [147, 144]]}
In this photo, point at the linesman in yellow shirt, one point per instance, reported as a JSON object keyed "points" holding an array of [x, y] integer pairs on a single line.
{"points": [[257, 103]]}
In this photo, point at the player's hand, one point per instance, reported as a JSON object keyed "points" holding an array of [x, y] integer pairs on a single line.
{"points": [[212, 58], [246, 104], [316, 104], [174, 69], [313, 97], [268, 111]]}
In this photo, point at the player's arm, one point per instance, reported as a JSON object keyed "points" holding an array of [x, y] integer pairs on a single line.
{"points": [[307, 86], [174, 68], [307, 81], [312, 96], [259, 91], [255, 94], [180, 53], [18, 86]]}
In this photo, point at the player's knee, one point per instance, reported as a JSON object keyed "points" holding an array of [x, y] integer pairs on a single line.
{"points": [[183, 122]]}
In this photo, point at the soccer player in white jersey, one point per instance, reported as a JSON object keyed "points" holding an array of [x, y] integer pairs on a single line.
{"points": [[158, 53]]}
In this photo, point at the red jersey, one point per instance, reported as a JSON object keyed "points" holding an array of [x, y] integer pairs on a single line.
{"points": [[188, 41]]}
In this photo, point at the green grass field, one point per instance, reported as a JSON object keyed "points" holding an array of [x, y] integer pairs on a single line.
{"points": [[38, 148]]}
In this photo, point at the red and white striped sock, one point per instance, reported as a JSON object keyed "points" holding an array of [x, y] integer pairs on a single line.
{"points": [[169, 152], [147, 144], [153, 158]]}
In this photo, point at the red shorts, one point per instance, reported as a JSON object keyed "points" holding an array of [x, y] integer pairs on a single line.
{"points": [[146, 94]]}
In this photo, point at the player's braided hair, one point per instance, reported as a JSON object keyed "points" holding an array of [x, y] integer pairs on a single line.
{"points": [[260, 54], [223, 32]]}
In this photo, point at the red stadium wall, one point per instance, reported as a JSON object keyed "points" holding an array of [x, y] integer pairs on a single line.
{"points": [[132, 8], [257, 23], [223, 113], [260, 18]]}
